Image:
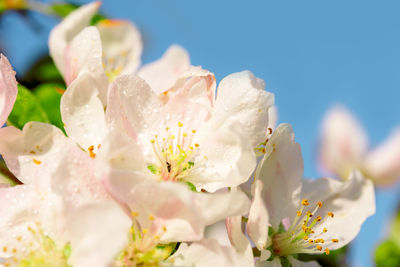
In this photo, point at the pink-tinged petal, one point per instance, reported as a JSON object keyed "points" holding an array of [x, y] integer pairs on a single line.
{"points": [[97, 233], [122, 46], [382, 164], [343, 142], [241, 98], [134, 108], [197, 85], [24, 206], [36, 147], [84, 55], [238, 240], [218, 232], [351, 203], [205, 253], [8, 89], [82, 112], [163, 73], [227, 159], [257, 225], [183, 213], [296, 263], [64, 32], [281, 171]]}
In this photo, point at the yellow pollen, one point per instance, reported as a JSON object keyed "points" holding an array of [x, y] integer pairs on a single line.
{"points": [[327, 251], [98, 146], [145, 231], [14, 250], [152, 141], [319, 248], [156, 237], [305, 237], [309, 214], [180, 124], [330, 214], [318, 218], [36, 161], [322, 241], [5, 249], [193, 131], [91, 153], [184, 134], [164, 228], [196, 145], [310, 241], [19, 238], [335, 240], [151, 217], [325, 230], [304, 202], [134, 214], [298, 213], [319, 204], [167, 129]]}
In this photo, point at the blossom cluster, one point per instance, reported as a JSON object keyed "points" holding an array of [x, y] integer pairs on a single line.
{"points": [[153, 160]]}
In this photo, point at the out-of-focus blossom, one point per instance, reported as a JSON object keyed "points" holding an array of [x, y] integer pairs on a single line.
{"points": [[305, 216], [53, 218], [109, 49], [8, 89], [344, 146]]}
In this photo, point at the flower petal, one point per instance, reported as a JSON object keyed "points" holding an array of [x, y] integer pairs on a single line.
{"points": [[383, 164], [84, 55], [97, 232], [8, 89], [296, 263], [257, 225], [122, 45], [205, 253], [227, 159], [83, 113], [351, 202], [241, 98], [238, 240], [37, 146], [343, 142], [64, 32], [281, 171], [163, 73]]}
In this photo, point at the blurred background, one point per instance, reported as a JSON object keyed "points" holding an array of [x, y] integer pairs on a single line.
{"points": [[312, 54]]}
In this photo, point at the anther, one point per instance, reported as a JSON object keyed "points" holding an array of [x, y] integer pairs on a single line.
{"points": [[327, 251], [298, 213], [304, 202], [319, 204], [180, 124], [38, 162], [134, 214], [335, 240], [319, 248], [325, 230], [330, 214]]}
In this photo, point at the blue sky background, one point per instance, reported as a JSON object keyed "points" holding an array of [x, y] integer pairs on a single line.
{"points": [[312, 55]]}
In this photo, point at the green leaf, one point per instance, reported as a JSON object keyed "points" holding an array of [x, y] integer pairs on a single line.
{"points": [[49, 96], [63, 9], [395, 230], [42, 71], [387, 254], [27, 108]]}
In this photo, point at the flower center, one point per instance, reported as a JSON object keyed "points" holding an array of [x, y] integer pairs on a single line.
{"points": [[301, 237], [38, 249], [143, 248], [175, 154], [114, 65]]}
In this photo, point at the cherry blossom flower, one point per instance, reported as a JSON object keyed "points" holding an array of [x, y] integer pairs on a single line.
{"points": [[317, 215], [344, 146], [109, 49]]}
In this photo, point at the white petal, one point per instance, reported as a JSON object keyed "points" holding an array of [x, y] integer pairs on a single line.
{"points": [[64, 32], [241, 98], [274, 263], [383, 164], [8, 89], [84, 55], [351, 202], [163, 73], [97, 233], [257, 225], [36, 147], [227, 159], [184, 213], [134, 108], [343, 142], [281, 171], [83, 113], [122, 45], [205, 253], [238, 240]]}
